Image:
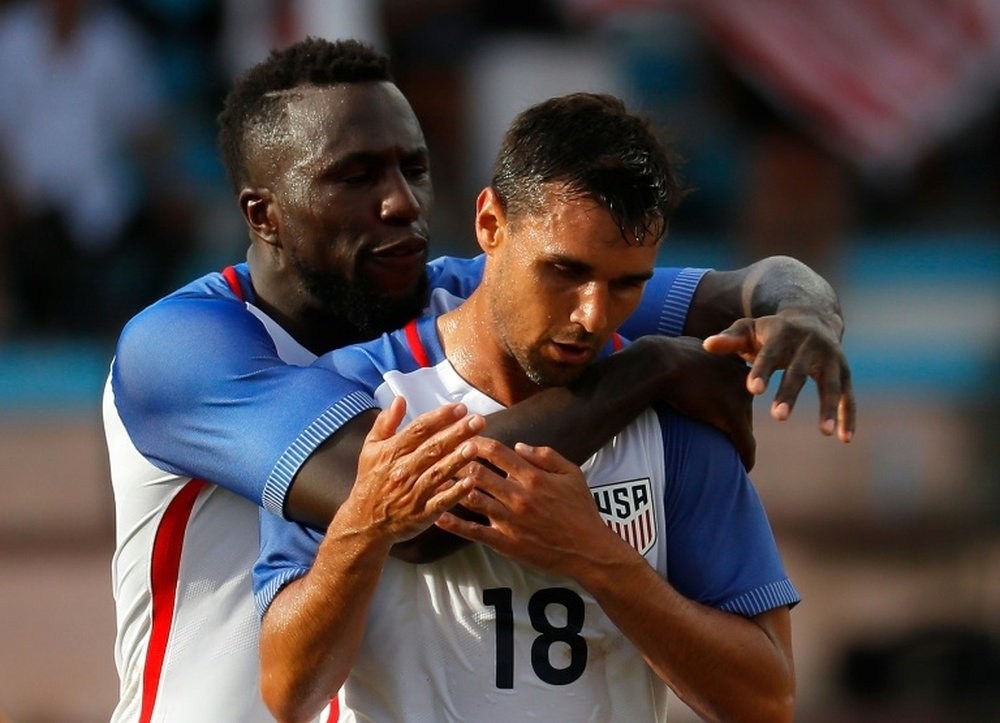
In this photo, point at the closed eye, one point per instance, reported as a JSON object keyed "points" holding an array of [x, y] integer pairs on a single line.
{"points": [[631, 283], [570, 271]]}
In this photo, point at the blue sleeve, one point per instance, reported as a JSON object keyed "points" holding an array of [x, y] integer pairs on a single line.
{"points": [[720, 549], [459, 277], [287, 551], [202, 392], [665, 302], [365, 364]]}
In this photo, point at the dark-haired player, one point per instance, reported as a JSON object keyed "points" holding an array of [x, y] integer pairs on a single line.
{"points": [[569, 610], [212, 410]]}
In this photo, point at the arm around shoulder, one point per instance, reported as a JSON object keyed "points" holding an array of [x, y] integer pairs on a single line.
{"points": [[780, 314]]}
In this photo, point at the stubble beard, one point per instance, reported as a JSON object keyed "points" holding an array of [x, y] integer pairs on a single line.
{"points": [[539, 370], [545, 373], [359, 305]]}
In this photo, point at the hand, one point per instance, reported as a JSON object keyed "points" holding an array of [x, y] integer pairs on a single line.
{"points": [[519, 501], [804, 345], [711, 388], [406, 479]]}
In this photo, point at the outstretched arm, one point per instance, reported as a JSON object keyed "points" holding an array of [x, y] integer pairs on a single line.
{"points": [[779, 314], [577, 419]]}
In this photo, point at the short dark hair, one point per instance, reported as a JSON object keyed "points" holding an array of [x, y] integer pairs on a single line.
{"points": [[596, 149], [255, 100]]}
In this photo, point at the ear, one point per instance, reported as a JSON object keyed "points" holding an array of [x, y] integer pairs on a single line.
{"points": [[260, 214], [491, 220]]}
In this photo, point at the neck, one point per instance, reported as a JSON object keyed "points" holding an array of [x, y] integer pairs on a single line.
{"points": [[317, 331], [312, 327], [469, 340]]}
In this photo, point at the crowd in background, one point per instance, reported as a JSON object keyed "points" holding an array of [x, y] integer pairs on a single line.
{"points": [[803, 123]]}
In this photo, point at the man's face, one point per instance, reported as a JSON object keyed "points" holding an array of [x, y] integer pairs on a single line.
{"points": [[562, 281], [353, 189]]}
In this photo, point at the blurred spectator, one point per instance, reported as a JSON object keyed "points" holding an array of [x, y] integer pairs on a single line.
{"points": [[836, 109], [843, 97], [430, 44], [253, 28], [79, 114]]}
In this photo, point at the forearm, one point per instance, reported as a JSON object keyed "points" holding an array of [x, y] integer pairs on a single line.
{"points": [[313, 629], [771, 285], [579, 419], [724, 666]]}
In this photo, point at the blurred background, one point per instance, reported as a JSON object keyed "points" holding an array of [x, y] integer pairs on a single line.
{"points": [[861, 136]]}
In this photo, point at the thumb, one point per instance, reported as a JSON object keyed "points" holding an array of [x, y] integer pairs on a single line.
{"points": [[737, 339], [387, 421]]}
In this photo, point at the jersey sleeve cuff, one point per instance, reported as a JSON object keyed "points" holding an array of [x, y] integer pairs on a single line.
{"points": [[322, 428], [675, 306], [265, 596], [761, 599]]}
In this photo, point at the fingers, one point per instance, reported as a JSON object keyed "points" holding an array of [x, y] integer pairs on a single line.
{"points": [[448, 495], [846, 408], [739, 338], [500, 456], [440, 475], [837, 411], [436, 422], [431, 449], [764, 365], [544, 458], [466, 529], [792, 381], [828, 385]]}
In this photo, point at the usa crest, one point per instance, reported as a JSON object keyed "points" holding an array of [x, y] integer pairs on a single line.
{"points": [[627, 508]]}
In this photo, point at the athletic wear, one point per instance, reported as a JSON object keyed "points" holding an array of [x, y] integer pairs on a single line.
{"points": [[210, 409], [475, 636]]}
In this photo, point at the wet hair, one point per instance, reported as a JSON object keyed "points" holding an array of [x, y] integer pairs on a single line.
{"points": [[256, 100], [589, 146]]}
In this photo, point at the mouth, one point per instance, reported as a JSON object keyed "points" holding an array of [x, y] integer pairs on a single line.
{"points": [[408, 247], [396, 266], [574, 354]]}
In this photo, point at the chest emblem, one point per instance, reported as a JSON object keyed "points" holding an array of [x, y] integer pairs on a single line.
{"points": [[627, 508]]}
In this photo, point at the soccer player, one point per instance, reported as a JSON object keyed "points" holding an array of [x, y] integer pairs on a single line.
{"points": [[212, 408], [570, 610]]}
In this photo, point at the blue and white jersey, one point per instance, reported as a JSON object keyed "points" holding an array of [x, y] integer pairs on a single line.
{"points": [[209, 411], [475, 636]]}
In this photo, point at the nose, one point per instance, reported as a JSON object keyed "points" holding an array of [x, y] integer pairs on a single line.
{"points": [[591, 310], [399, 203]]}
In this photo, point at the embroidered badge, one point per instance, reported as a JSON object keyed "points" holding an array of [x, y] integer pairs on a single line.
{"points": [[627, 508]]}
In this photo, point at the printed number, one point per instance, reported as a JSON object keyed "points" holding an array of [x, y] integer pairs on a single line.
{"points": [[502, 599]]}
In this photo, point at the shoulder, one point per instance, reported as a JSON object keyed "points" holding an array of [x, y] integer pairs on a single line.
{"points": [[202, 326], [202, 308], [459, 276], [686, 436], [699, 459], [370, 362]]}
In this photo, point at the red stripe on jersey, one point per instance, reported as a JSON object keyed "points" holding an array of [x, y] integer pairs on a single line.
{"points": [[164, 573], [334, 710], [416, 345], [234, 281], [616, 342]]}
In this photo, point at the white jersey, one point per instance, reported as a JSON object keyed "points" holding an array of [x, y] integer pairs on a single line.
{"points": [[209, 411], [477, 637], [187, 642]]}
